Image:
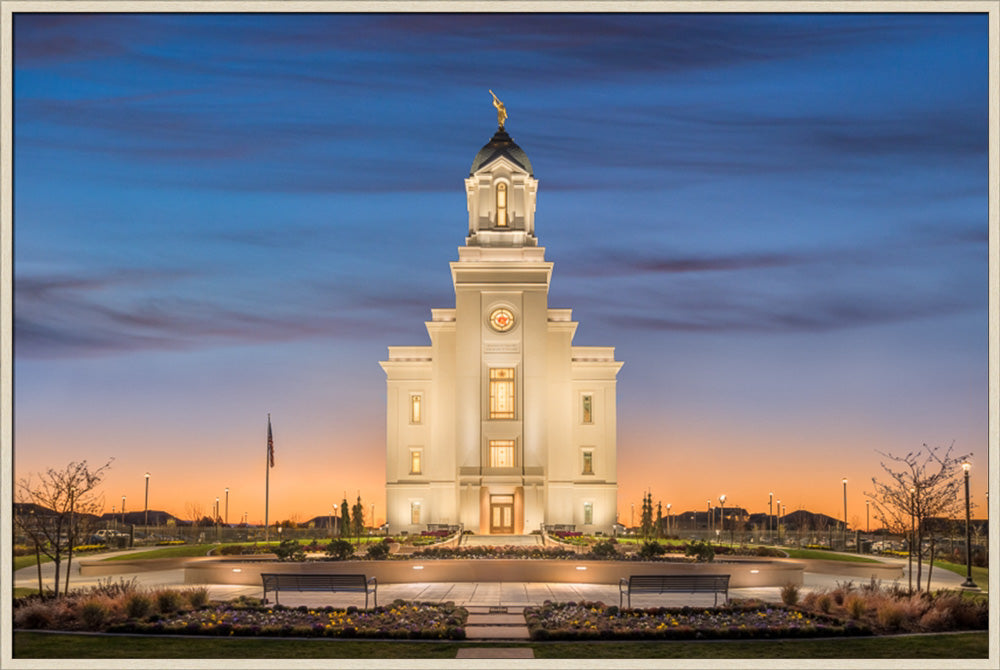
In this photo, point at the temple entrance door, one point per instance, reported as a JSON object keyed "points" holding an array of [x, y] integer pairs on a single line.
{"points": [[502, 515]]}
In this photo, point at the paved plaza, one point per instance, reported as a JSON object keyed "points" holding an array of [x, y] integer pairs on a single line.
{"points": [[481, 594]]}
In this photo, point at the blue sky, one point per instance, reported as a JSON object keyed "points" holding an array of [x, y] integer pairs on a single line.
{"points": [[778, 220]]}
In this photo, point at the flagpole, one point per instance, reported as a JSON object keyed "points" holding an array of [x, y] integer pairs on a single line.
{"points": [[267, 478]]}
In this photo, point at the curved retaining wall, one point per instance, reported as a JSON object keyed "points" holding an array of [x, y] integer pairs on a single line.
{"points": [[879, 571], [742, 573]]}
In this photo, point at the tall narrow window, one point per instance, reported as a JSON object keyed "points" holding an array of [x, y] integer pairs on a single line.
{"points": [[416, 461], [415, 512], [501, 393], [588, 462], [502, 205], [588, 513], [501, 453], [416, 408], [588, 408]]}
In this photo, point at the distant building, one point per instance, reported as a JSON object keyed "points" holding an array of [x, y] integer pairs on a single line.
{"points": [[501, 424]]}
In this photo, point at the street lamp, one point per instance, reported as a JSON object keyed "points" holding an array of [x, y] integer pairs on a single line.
{"points": [[123, 510], [968, 583], [770, 512], [708, 516], [227, 506], [722, 516], [845, 513], [668, 518], [868, 527], [632, 524], [146, 520]]}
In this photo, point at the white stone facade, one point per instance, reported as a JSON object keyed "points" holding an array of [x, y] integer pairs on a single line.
{"points": [[501, 424]]}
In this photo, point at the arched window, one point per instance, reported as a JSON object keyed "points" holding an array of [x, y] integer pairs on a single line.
{"points": [[501, 205]]}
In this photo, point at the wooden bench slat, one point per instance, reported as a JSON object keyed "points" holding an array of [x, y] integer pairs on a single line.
{"points": [[673, 584], [283, 581]]}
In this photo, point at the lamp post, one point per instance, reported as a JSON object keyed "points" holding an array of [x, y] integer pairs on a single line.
{"points": [[845, 513], [668, 518], [145, 521], [373, 517], [123, 510], [330, 525], [968, 583], [777, 521], [708, 517], [770, 512], [226, 518], [722, 515], [632, 523]]}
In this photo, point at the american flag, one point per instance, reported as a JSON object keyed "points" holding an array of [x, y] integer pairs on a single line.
{"points": [[270, 442]]}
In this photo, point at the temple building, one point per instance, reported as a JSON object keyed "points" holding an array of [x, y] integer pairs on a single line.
{"points": [[501, 424]]}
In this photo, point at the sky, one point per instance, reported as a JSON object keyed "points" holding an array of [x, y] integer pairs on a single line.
{"points": [[779, 221]]}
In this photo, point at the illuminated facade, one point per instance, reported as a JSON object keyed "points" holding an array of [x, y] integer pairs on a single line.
{"points": [[501, 424]]}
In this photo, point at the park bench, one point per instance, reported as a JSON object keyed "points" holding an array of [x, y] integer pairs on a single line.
{"points": [[713, 584], [318, 582]]}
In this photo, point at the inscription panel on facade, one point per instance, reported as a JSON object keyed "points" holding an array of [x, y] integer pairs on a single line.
{"points": [[502, 347]]}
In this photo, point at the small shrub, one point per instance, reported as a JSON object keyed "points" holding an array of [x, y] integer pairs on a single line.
{"points": [[197, 597], [650, 550], [289, 550], [379, 551], [340, 550], [703, 552], [937, 620], [34, 615], [94, 614], [790, 594], [890, 615], [604, 549], [856, 607], [168, 601], [138, 606], [824, 602], [113, 589]]}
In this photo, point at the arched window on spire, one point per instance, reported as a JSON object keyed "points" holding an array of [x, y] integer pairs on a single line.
{"points": [[501, 205]]}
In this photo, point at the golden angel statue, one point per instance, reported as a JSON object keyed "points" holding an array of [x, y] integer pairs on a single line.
{"points": [[501, 110]]}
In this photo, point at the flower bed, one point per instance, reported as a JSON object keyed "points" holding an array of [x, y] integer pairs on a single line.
{"points": [[752, 619], [400, 620]]}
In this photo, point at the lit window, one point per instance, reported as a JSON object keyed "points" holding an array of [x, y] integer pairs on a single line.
{"points": [[501, 453], [415, 512], [416, 461], [502, 205], [588, 462], [416, 408], [588, 408], [588, 513], [501, 393]]}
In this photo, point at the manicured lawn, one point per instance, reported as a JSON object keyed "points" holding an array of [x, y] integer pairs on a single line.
{"points": [[981, 576], [20, 592], [826, 555], [176, 551], [26, 561], [42, 645]]}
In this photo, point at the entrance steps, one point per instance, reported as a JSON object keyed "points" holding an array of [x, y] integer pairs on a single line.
{"points": [[500, 540], [496, 623]]}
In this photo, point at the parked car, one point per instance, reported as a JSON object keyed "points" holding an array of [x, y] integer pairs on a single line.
{"points": [[110, 537]]}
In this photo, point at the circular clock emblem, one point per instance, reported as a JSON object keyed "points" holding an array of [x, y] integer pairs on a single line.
{"points": [[501, 320]]}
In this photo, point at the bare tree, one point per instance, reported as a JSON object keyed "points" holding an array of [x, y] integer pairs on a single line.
{"points": [[58, 503], [922, 484]]}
